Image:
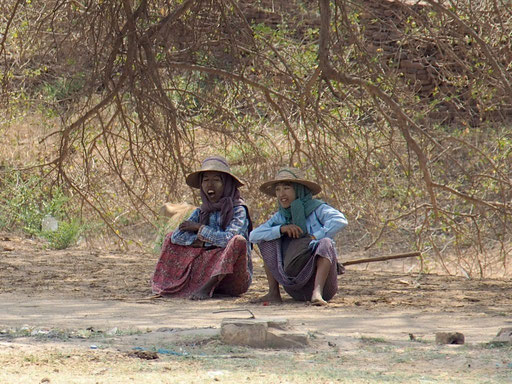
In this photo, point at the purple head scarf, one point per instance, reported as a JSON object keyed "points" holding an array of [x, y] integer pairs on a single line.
{"points": [[230, 199]]}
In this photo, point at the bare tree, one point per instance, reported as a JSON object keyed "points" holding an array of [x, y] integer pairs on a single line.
{"points": [[401, 110]]}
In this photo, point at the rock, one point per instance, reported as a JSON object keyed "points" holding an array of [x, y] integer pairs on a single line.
{"points": [[277, 338], [49, 224], [260, 333], [144, 355], [504, 336], [277, 323], [252, 333], [39, 332], [449, 338]]}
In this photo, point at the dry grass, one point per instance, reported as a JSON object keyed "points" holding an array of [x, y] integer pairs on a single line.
{"points": [[363, 361]]}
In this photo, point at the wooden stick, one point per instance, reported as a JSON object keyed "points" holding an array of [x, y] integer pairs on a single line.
{"points": [[381, 258]]}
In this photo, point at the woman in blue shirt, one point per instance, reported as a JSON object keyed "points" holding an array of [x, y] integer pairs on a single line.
{"points": [[210, 251], [296, 243]]}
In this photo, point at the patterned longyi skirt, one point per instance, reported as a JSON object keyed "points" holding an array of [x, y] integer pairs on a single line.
{"points": [[183, 270]]}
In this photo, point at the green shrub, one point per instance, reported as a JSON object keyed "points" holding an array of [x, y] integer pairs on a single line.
{"points": [[65, 236], [26, 199]]}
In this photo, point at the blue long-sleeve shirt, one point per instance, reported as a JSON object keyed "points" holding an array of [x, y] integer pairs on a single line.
{"points": [[213, 234], [324, 221]]}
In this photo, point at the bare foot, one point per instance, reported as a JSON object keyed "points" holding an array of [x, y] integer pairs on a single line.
{"points": [[204, 292], [199, 295], [156, 296], [319, 302], [317, 299], [269, 297]]}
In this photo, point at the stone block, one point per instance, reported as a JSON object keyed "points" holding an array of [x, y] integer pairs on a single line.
{"points": [[277, 323], [252, 333], [261, 333], [277, 338]]}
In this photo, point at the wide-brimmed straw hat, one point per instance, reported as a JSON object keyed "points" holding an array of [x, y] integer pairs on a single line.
{"points": [[211, 164], [289, 175]]}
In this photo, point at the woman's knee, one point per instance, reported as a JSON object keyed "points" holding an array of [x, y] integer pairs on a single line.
{"points": [[238, 240], [326, 242]]}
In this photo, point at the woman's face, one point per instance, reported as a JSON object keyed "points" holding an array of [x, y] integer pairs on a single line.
{"points": [[212, 185], [285, 193]]}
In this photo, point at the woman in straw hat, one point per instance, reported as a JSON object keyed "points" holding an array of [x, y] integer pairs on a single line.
{"points": [[296, 243], [210, 251]]}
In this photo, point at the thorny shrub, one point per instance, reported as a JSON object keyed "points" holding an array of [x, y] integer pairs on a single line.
{"points": [[401, 111]]}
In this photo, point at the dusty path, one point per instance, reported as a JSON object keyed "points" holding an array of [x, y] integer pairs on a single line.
{"points": [[79, 288], [340, 320], [78, 315]]}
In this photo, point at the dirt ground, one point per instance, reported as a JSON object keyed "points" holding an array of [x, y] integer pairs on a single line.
{"points": [[78, 315]]}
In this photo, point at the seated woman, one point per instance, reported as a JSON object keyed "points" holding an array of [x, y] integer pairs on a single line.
{"points": [[296, 243], [210, 251]]}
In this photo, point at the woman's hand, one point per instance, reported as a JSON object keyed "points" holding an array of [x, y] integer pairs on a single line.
{"points": [[190, 226], [291, 230], [197, 243]]}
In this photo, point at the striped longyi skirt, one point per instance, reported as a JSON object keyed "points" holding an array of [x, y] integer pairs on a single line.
{"points": [[300, 287]]}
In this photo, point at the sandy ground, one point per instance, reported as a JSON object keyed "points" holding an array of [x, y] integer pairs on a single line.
{"points": [[83, 288], [85, 315]]}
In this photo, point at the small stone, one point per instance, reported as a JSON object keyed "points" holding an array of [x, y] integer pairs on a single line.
{"points": [[145, 355], [49, 224], [39, 332], [504, 336], [449, 338]]}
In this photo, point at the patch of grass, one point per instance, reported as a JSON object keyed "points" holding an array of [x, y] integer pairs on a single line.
{"points": [[164, 225], [208, 360], [27, 199], [498, 344], [65, 236], [67, 334]]}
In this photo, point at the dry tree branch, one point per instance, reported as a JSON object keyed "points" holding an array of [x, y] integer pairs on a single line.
{"points": [[3, 51], [404, 121], [497, 169], [485, 48], [153, 31], [130, 57], [494, 205], [5, 33], [396, 218], [232, 76], [267, 92]]}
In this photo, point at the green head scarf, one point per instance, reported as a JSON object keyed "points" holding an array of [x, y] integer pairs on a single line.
{"points": [[301, 207]]}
